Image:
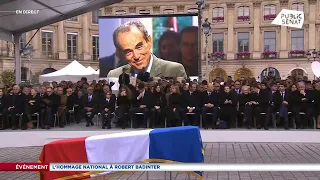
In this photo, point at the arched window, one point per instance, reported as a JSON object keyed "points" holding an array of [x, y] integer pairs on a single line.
{"points": [[192, 10], [144, 11], [243, 13], [298, 6], [218, 14], [269, 72], [48, 70], [270, 12], [298, 73], [120, 12], [168, 11]]}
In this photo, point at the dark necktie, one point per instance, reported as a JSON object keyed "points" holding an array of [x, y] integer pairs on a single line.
{"points": [[89, 98], [282, 95]]}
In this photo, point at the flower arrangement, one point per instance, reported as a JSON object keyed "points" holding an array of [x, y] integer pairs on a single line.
{"points": [[243, 55], [218, 54], [270, 17], [218, 19], [297, 52], [243, 18], [269, 53]]}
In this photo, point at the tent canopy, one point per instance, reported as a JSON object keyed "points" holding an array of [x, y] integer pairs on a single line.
{"points": [[74, 68], [91, 70], [72, 72], [50, 11]]}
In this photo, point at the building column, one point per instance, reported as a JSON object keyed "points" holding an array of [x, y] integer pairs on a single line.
{"points": [[312, 24], [17, 58], [61, 41], [284, 34], [256, 30], [35, 42], [230, 38], [3, 47], [85, 37]]}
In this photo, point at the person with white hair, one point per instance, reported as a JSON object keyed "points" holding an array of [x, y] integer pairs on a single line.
{"points": [[15, 108], [245, 99], [302, 103]]}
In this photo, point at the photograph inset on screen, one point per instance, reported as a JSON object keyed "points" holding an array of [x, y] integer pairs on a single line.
{"points": [[162, 46]]}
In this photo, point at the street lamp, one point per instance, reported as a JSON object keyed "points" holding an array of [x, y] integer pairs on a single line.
{"points": [[313, 55], [201, 5], [28, 53], [206, 26]]}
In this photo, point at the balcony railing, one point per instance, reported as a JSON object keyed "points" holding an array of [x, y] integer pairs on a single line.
{"points": [[269, 55], [218, 19], [216, 56], [243, 55], [95, 58], [243, 18], [297, 54], [74, 56], [269, 17], [6, 52]]}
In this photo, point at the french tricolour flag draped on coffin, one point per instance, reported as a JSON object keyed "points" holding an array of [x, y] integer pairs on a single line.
{"points": [[178, 144]]}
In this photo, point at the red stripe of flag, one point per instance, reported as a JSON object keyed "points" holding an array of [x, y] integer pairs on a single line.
{"points": [[64, 151]]}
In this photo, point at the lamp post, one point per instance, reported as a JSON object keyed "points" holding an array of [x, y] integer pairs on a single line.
{"points": [[315, 55], [201, 5], [206, 31], [28, 53]]}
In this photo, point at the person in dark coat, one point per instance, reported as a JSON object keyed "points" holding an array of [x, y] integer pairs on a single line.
{"points": [[90, 105], [107, 109], [3, 122], [160, 103], [16, 104], [142, 103], [245, 99], [229, 102], [175, 105], [302, 101], [32, 105], [71, 103], [210, 104], [281, 104], [124, 103], [191, 104], [51, 103]]}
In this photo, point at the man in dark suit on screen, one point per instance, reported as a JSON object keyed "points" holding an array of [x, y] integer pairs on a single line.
{"points": [[108, 63], [134, 44]]}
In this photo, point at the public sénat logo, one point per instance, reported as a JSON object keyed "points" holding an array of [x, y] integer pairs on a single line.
{"points": [[290, 18]]}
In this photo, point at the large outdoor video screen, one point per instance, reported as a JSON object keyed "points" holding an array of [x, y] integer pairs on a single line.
{"points": [[172, 38]]}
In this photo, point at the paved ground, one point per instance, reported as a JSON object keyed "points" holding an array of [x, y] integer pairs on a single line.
{"points": [[214, 153]]}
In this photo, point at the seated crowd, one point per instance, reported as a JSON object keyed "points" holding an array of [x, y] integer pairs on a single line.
{"points": [[165, 103]]}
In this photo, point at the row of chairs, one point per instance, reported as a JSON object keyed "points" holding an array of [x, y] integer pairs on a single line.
{"points": [[55, 117], [99, 119], [275, 117]]}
